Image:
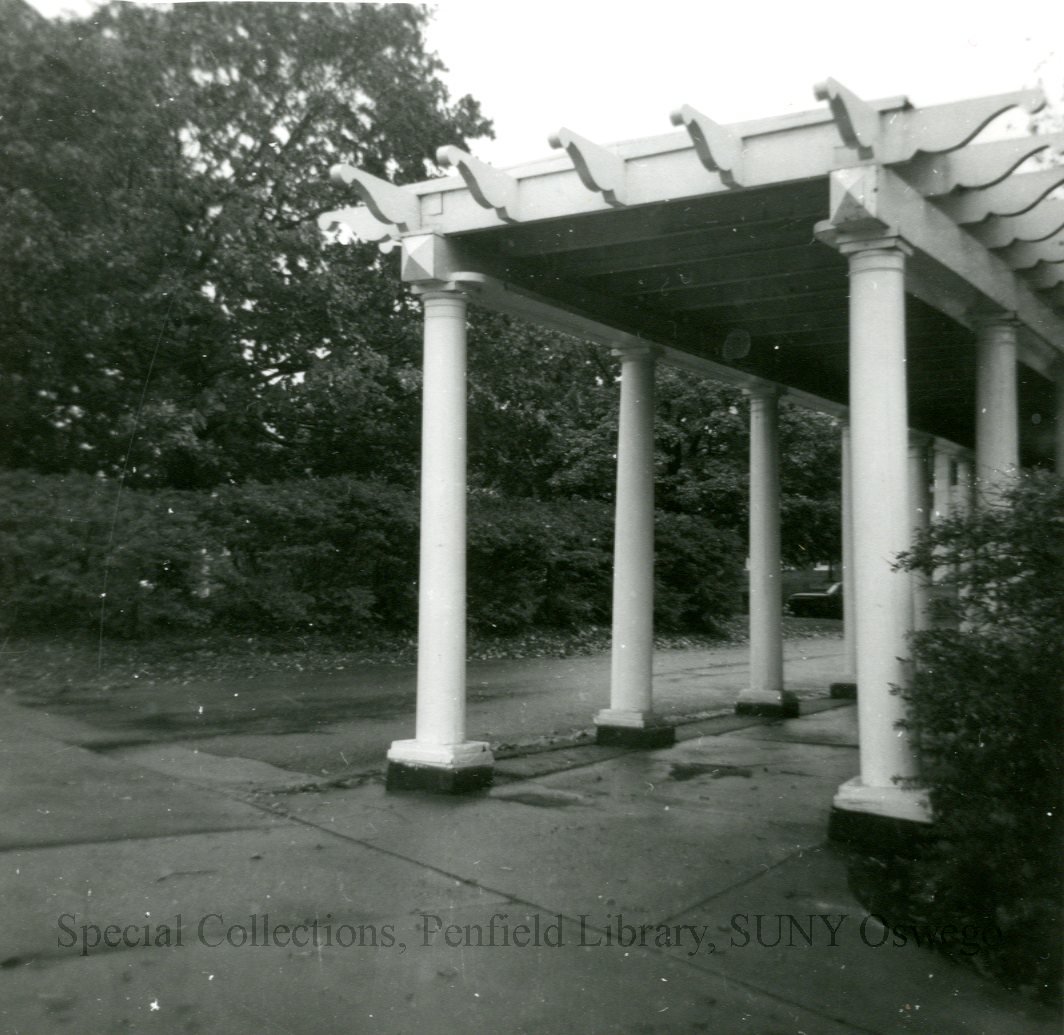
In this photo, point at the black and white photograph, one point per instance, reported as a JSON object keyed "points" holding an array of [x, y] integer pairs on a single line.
{"points": [[531, 519]]}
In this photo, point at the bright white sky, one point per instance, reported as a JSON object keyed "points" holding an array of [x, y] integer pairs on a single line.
{"points": [[614, 71]]}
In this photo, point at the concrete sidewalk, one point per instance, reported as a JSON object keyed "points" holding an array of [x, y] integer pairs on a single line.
{"points": [[625, 889]]}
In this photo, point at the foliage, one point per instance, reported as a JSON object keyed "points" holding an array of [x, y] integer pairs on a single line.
{"points": [[74, 552], [986, 703], [163, 173], [328, 555], [171, 315]]}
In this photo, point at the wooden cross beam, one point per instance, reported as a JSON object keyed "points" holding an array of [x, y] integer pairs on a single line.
{"points": [[901, 135], [946, 127]]}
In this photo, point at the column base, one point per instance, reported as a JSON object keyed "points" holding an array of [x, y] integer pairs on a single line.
{"points": [[615, 728], [440, 768], [845, 689], [780, 704], [883, 819]]}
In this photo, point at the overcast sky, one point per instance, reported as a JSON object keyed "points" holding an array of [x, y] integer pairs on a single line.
{"points": [[614, 71]]}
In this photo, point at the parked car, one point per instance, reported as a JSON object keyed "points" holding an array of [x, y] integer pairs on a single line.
{"points": [[817, 605]]}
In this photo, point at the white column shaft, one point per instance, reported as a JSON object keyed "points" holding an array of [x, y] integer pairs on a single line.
{"points": [[920, 516], [961, 501], [997, 450], [878, 421], [849, 577], [766, 599], [942, 493], [633, 567], [441, 674]]}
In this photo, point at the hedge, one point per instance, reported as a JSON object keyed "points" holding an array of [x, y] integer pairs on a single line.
{"points": [[986, 705], [333, 555]]}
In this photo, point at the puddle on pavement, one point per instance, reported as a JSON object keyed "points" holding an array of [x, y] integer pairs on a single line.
{"points": [[541, 799], [690, 770]]}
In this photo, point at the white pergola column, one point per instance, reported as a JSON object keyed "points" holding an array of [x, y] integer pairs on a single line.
{"points": [[920, 515], [765, 695], [997, 430], [882, 529], [942, 490], [963, 490], [630, 718], [439, 757], [847, 686]]}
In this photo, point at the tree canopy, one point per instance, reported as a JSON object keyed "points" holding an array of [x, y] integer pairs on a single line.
{"points": [[170, 310], [162, 176]]}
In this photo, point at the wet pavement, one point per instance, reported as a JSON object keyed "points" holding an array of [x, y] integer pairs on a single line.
{"points": [[688, 889]]}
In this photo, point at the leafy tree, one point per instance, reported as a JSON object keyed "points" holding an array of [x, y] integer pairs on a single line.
{"points": [[162, 176]]}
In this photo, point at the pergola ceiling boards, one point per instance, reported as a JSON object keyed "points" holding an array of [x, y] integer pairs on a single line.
{"points": [[712, 231]]}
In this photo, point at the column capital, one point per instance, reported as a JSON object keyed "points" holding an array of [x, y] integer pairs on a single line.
{"points": [[640, 350], [919, 441], [986, 323], [764, 391], [428, 289], [885, 241]]}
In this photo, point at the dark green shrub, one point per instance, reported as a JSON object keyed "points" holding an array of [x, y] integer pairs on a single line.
{"points": [[330, 554], [986, 705], [66, 540], [538, 563], [698, 573]]}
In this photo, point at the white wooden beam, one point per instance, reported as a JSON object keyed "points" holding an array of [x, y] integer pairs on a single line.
{"points": [[600, 170], [489, 186], [872, 199], [946, 127], [1038, 223], [980, 165], [1012, 197], [719, 149], [389, 203]]}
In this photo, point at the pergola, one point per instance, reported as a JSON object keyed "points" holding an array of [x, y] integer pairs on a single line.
{"points": [[866, 259]]}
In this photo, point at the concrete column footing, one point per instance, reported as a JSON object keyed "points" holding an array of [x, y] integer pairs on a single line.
{"points": [[403, 776], [780, 705]]}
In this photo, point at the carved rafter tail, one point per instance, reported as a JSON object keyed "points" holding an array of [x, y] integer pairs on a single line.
{"points": [[387, 202], [360, 221], [1042, 221], [946, 127], [981, 165], [599, 170], [490, 187], [718, 148], [1053, 296], [1045, 276], [1027, 256], [1012, 197], [857, 121]]}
